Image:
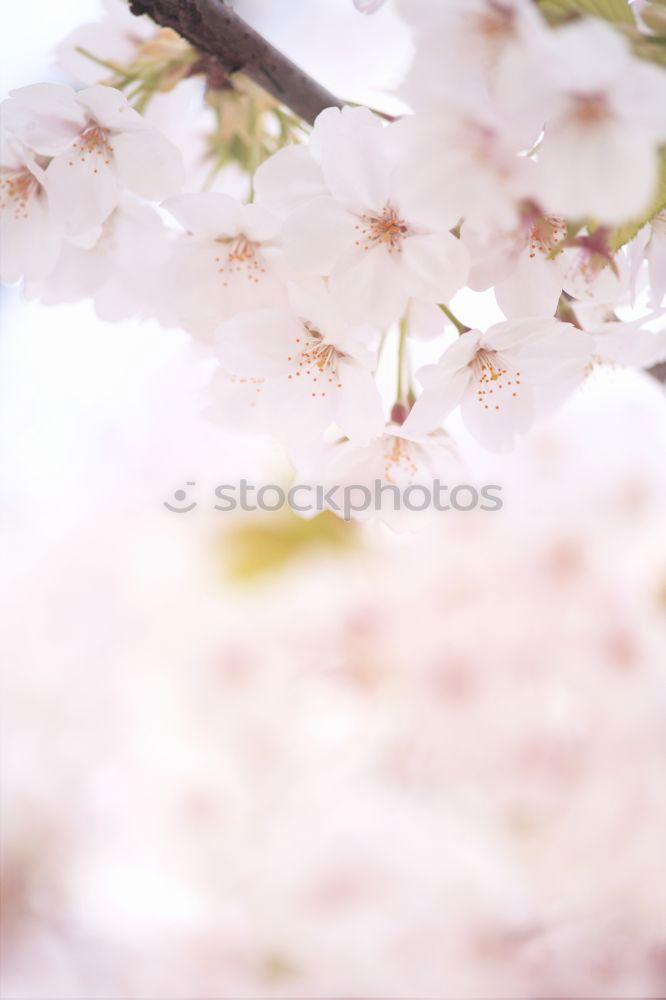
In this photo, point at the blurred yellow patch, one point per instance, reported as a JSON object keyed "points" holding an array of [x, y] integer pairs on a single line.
{"points": [[268, 543]]}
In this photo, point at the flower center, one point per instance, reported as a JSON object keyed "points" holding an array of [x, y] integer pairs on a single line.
{"points": [[398, 460], [496, 22], [315, 361], [16, 189], [492, 378], [546, 235], [589, 109], [241, 257], [387, 230], [92, 144]]}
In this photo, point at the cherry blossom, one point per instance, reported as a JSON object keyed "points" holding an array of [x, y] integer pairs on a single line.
{"points": [[473, 169], [604, 121], [118, 266], [524, 178], [523, 264], [309, 364], [461, 47], [30, 239], [227, 260], [99, 147], [502, 379], [372, 235], [387, 467]]}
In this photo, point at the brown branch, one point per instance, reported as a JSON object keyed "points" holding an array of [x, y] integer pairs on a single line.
{"points": [[658, 371], [214, 29]]}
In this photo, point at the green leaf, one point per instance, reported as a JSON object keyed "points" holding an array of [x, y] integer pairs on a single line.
{"points": [[616, 11], [623, 234]]}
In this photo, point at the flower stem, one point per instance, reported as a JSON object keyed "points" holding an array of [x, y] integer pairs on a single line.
{"points": [[460, 327], [402, 348], [118, 70]]}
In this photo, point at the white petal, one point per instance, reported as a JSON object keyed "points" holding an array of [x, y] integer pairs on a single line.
{"points": [[357, 405], [259, 223], [209, 214], [457, 355], [372, 286], [148, 164], [442, 393], [317, 234], [495, 424], [45, 116], [109, 107], [356, 168], [288, 179], [439, 263], [28, 246], [258, 344], [607, 172], [627, 344], [532, 289], [83, 190]]}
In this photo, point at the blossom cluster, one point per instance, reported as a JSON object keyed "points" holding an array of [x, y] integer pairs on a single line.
{"points": [[530, 162]]}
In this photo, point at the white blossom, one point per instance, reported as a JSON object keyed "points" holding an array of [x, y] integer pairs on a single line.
{"points": [[227, 260], [29, 237], [604, 115], [502, 379], [120, 266], [99, 147], [376, 239], [310, 365]]}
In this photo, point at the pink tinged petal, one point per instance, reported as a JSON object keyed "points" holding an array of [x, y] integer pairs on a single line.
{"points": [[513, 334], [563, 355], [29, 242], [260, 344], [371, 285], [336, 122], [148, 164], [83, 189], [587, 56], [357, 406], [258, 223], [458, 355], [109, 108], [299, 413], [442, 393], [210, 214], [607, 171], [627, 344], [532, 289], [351, 463], [316, 235], [496, 420], [288, 179], [311, 300], [239, 404], [356, 168], [358, 341], [45, 116], [439, 264]]}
